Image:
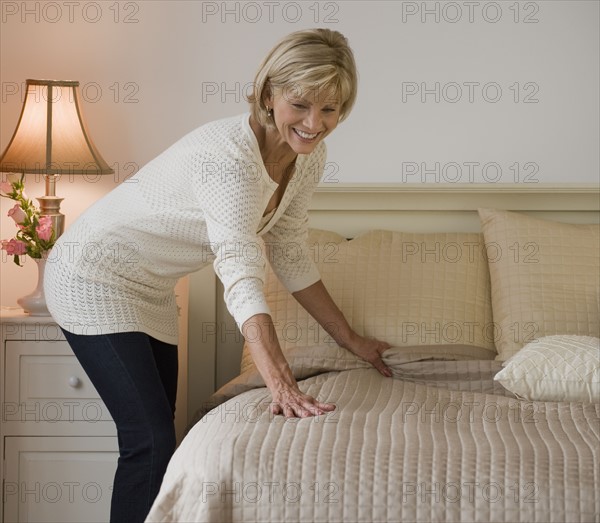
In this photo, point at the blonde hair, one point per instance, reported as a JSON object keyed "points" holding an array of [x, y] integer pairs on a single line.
{"points": [[304, 61]]}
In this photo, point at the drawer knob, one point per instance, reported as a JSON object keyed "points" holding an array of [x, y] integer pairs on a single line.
{"points": [[74, 382]]}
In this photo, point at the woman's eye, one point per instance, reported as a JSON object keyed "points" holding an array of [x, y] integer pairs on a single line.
{"points": [[298, 106]]}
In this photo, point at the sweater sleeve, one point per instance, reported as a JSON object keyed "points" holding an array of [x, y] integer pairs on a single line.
{"points": [[286, 243], [231, 202]]}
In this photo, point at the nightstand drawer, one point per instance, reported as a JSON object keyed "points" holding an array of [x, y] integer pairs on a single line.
{"points": [[66, 479], [44, 382]]}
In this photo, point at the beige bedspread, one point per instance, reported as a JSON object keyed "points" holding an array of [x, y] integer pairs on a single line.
{"points": [[441, 441]]}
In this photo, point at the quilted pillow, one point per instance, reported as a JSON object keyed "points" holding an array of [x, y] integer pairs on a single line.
{"points": [[545, 278], [429, 291], [555, 368]]}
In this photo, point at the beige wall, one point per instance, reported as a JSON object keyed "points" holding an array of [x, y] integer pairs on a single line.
{"points": [[149, 70]]}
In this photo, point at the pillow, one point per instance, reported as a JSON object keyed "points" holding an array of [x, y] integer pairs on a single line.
{"points": [[555, 368], [424, 290], [545, 278]]}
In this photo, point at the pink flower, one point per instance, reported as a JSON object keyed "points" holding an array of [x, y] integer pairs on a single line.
{"points": [[6, 187], [44, 229], [14, 247], [17, 214]]}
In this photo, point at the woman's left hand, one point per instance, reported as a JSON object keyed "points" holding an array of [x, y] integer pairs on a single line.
{"points": [[319, 304], [370, 349]]}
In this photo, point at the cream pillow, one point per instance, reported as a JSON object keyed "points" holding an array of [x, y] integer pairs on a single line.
{"points": [[555, 368], [429, 291], [545, 278]]}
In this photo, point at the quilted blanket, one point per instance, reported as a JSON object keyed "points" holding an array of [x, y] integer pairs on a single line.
{"points": [[440, 441]]}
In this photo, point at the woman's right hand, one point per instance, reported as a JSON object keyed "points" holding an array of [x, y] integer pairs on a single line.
{"points": [[287, 399], [291, 402]]}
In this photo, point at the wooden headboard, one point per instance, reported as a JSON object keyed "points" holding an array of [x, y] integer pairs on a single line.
{"points": [[213, 339]]}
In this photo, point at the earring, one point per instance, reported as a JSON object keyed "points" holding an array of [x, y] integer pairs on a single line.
{"points": [[269, 112]]}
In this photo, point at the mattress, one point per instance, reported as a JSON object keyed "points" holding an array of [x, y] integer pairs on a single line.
{"points": [[440, 441]]}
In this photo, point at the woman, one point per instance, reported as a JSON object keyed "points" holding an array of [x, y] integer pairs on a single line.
{"points": [[205, 199]]}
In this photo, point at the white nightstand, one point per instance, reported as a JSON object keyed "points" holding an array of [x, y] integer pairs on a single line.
{"points": [[58, 444]]}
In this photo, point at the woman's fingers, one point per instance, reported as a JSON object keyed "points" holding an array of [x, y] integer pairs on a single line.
{"points": [[329, 407], [381, 367], [379, 364], [370, 350], [288, 412], [374, 358], [295, 404]]}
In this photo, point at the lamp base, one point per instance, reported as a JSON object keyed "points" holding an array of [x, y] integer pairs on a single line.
{"points": [[50, 206]]}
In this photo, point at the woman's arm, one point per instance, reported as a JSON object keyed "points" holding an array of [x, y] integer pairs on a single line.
{"points": [[319, 304], [265, 350], [262, 342]]}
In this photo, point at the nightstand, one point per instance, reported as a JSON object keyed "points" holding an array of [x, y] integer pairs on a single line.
{"points": [[58, 443]]}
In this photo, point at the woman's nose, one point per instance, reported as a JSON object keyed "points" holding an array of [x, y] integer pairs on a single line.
{"points": [[313, 120]]}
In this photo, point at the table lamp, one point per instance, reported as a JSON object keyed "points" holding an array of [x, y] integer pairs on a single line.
{"points": [[52, 139]]}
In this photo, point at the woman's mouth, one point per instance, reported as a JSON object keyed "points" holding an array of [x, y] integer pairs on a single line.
{"points": [[304, 136]]}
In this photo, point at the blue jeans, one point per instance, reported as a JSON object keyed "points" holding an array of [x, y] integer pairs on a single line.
{"points": [[136, 377]]}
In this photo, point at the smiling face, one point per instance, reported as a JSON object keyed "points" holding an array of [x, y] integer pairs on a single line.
{"points": [[304, 117]]}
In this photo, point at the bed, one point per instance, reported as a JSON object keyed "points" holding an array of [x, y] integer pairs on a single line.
{"points": [[493, 411]]}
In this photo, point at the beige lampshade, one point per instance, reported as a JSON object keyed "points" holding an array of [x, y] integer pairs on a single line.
{"points": [[51, 136]]}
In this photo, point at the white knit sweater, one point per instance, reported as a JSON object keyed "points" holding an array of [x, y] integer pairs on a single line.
{"points": [[201, 201]]}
